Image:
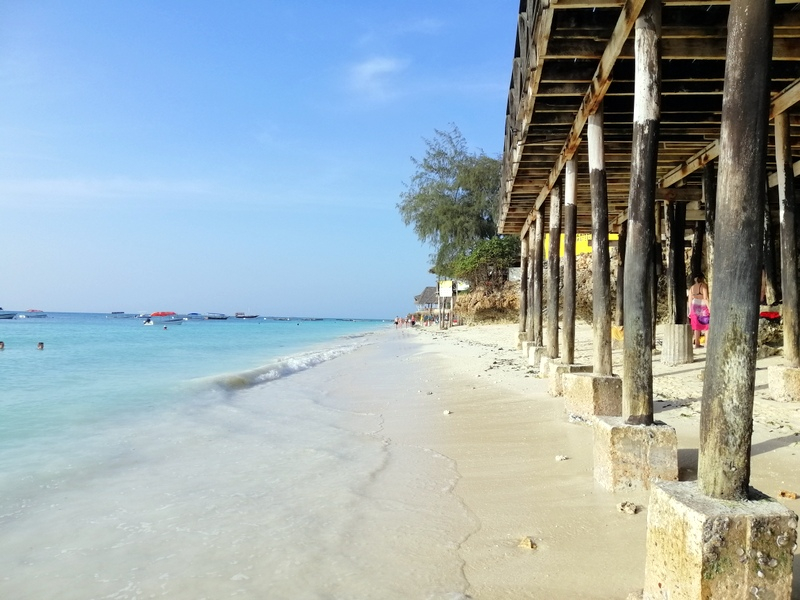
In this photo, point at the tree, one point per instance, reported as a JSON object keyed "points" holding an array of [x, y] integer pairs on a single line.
{"points": [[451, 198], [488, 261]]}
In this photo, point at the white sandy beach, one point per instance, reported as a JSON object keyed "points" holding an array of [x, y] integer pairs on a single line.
{"points": [[506, 434]]}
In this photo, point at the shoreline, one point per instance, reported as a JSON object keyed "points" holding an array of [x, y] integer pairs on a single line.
{"points": [[508, 437]]}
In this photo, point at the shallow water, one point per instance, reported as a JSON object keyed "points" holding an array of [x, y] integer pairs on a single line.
{"points": [[211, 460]]}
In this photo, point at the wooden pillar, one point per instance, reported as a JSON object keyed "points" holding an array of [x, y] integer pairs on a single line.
{"points": [[601, 263], [726, 419], [791, 302], [637, 384], [538, 277], [530, 320], [696, 259], [675, 220], [553, 272], [710, 202], [656, 268], [622, 241], [570, 235], [769, 261], [523, 285]]}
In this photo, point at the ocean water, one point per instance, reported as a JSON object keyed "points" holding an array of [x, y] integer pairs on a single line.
{"points": [[208, 460]]}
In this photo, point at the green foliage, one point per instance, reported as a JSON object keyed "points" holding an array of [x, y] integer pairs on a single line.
{"points": [[451, 197], [488, 261]]}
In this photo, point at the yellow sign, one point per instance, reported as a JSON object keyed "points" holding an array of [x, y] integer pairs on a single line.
{"points": [[583, 243]]}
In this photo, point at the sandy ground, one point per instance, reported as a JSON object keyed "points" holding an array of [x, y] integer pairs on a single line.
{"points": [[526, 471]]}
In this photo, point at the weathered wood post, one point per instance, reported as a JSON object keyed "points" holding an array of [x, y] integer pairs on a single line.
{"points": [[632, 451], [730, 546], [727, 410], [709, 181], [538, 277], [529, 322], [791, 301], [523, 289], [769, 262], [784, 380], [622, 242], [637, 387], [676, 261], [676, 348], [698, 239], [570, 234], [589, 393], [601, 263], [553, 272]]}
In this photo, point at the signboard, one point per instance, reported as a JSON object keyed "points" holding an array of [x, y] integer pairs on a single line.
{"points": [[445, 289]]}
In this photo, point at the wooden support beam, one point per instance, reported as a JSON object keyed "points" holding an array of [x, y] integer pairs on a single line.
{"points": [[538, 278], [570, 239], [637, 383], [553, 272], [788, 225], [601, 266], [726, 420], [524, 254], [597, 89], [782, 102], [524, 110]]}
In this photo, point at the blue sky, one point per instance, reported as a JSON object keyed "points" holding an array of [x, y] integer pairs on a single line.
{"points": [[239, 155]]}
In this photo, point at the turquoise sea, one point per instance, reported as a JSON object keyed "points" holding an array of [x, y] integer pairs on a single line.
{"points": [[207, 460]]}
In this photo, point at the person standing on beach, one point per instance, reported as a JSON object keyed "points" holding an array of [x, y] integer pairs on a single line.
{"points": [[699, 313]]}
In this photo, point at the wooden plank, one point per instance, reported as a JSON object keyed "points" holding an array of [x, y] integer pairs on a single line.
{"points": [[780, 103], [786, 99], [597, 89]]}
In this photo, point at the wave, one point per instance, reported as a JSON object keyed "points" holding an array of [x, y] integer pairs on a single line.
{"points": [[282, 367]]}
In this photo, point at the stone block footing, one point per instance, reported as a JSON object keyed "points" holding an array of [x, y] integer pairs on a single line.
{"points": [[701, 547], [587, 395], [784, 383], [544, 363], [557, 373], [535, 355], [633, 456]]}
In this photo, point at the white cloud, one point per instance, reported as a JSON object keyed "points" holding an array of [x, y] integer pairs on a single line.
{"points": [[373, 78]]}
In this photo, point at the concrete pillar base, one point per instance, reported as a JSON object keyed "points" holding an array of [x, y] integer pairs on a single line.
{"points": [[544, 364], [535, 354], [784, 383], [701, 547], [526, 348], [557, 373], [633, 456], [676, 347], [587, 395]]}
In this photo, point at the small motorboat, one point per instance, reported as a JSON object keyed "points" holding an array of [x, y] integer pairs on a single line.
{"points": [[241, 315], [32, 313], [216, 316]]}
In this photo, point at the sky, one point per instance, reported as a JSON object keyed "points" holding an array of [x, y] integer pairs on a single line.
{"points": [[208, 156]]}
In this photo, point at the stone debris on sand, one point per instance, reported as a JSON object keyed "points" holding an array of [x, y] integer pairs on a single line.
{"points": [[527, 542], [629, 508]]}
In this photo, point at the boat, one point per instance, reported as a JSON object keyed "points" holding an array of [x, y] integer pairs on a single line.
{"points": [[193, 316], [241, 315], [216, 316], [32, 313], [163, 317], [7, 315]]}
